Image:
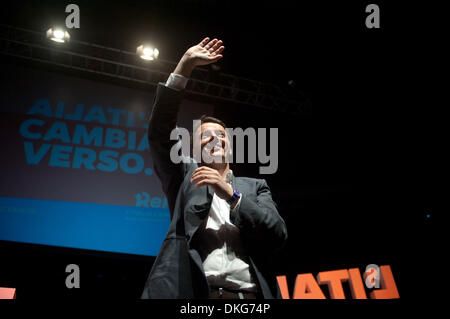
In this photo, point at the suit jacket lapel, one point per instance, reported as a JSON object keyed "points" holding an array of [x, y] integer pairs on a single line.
{"points": [[237, 184], [210, 192], [194, 215]]}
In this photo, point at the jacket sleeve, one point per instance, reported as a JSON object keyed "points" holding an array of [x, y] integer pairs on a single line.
{"points": [[262, 227], [162, 121]]}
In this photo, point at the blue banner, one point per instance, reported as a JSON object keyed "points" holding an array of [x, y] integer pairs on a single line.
{"points": [[75, 166]]}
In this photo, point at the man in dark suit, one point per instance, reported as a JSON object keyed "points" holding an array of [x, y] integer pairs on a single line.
{"points": [[224, 228]]}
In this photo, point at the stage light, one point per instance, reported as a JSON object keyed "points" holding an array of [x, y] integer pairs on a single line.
{"points": [[58, 35], [147, 52]]}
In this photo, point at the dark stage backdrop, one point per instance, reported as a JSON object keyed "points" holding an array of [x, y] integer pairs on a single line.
{"points": [[75, 166]]}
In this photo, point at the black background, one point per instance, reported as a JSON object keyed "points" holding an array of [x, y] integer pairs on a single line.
{"points": [[357, 175]]}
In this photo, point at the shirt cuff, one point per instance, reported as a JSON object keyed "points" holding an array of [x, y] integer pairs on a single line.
{"points": [[236, 207], [176, 81]]}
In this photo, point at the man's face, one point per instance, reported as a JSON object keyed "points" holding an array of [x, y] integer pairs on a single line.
{"points": [[213, 141]]}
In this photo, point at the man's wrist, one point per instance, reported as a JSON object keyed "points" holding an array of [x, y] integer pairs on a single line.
{"points": [[177, 81], [234, 199], [184, 67]]}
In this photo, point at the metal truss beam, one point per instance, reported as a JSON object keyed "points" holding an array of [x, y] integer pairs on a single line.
{"points": [[125, 65]]}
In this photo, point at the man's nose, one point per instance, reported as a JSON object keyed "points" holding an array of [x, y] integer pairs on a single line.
{"points": [[213, 135]]}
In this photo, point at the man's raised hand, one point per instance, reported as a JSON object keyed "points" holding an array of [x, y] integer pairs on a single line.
{"points": [[206, 52]]}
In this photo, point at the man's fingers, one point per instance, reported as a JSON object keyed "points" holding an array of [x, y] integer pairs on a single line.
{"points": [[202, 168], [210, 44], [215, 46], [198, 170], [198, 177], [218, 51], [204, 42], [203, 183], [201, 175]]}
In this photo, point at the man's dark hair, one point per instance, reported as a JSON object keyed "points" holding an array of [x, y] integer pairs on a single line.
{"points": [[210, 119]]}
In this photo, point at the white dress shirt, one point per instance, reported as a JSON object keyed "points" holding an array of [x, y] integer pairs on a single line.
{"points": [[224, 258]]}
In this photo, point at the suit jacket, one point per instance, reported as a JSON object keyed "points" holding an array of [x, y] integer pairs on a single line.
{"points": [[178, 271]]}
